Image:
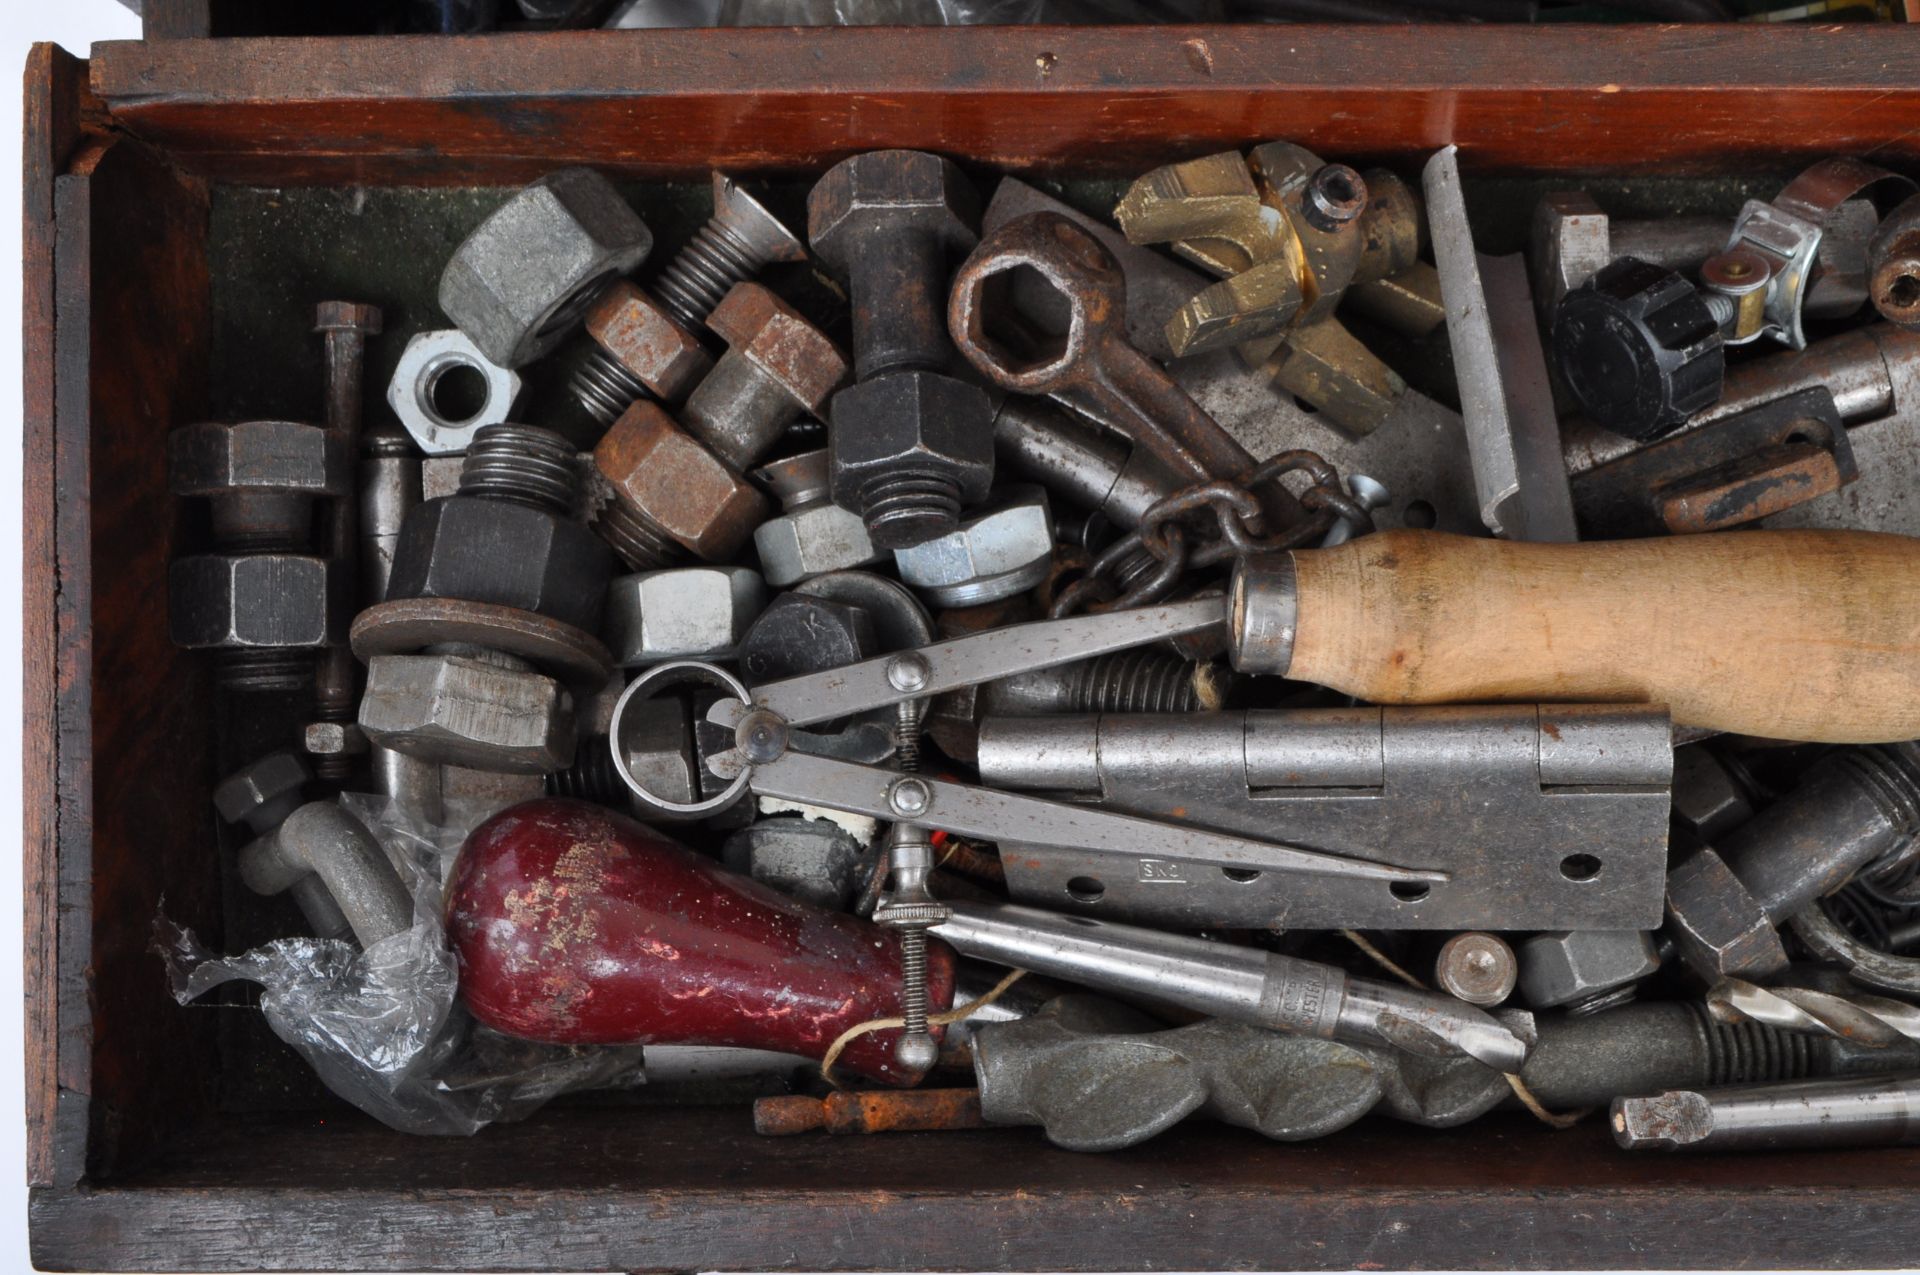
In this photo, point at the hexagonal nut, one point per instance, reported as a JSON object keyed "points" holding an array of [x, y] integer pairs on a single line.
{"points": [[812, 542], [1708, 798], [444, 391], [503, 552], [656, 742], [898, 189], [520, 282], [642, 336], [799, 634], [274, 779], [996, 553], [333, 739], [1571, 241], [908, 423], [484, 713], [1719, 928], [258, 600], [1560, 968], [682, 612], [794, 354], [214, 459], [678, 485], [811, 859]]}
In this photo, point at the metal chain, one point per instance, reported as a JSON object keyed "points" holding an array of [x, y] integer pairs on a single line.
{"points": [[1169, 534]]}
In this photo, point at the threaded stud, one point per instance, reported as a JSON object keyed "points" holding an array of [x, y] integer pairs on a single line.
{"points": [[640, 544], [903, 510], [603, 387], [696, 280], [523, 464]]}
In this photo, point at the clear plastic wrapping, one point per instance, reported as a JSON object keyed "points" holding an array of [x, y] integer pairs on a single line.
{"points": [[383, 1028]]}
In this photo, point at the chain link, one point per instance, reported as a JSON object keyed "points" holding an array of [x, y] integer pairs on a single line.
{"points": [[1172, 534]]}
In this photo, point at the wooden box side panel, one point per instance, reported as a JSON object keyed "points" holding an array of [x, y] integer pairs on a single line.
{"points": [[119, 756], [674, 102]]}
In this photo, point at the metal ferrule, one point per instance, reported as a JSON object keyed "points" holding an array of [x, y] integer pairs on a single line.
{"points": [[1263, 613]]}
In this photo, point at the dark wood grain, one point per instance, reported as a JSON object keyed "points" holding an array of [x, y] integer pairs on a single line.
{"points": [[694, 1189], [673, 103], [50, 128]]}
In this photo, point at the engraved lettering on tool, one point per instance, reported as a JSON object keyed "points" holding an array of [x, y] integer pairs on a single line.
{"points": [[1161, 872], [1301, 997]]}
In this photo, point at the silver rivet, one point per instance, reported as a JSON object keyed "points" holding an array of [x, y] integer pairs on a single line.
{"points": [[908, 671], [909, 797]]}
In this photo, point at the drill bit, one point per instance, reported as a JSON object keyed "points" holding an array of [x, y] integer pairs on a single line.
{"points": [[1244, 984], [1875, 1021], [1850, 1111]]}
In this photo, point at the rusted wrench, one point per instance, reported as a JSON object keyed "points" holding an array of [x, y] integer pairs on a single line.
{"points": [[1094, 366]]}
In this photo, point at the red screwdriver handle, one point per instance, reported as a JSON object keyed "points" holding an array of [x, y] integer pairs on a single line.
{"points": [[575, 925]]}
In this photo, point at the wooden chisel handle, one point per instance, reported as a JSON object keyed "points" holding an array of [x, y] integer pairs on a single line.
{"points": [[1809, 635]]}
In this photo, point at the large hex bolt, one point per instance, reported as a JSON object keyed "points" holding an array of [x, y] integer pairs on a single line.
{"points": [[652, 346], [321, 840], [691, 613], [1585, 970], [812, 536], [520, 283], [996, 552], [911, 447], [800, 634], [639, 351], [671, 497], [259, 796], [777, 368], [507, 537], [262, 601], [1855, 806], [461, 705], [739, 241]]}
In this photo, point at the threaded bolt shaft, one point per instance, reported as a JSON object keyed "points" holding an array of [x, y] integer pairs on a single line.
{"points": [[603, 387], [902, 510], [1140, 680], [906, 734], [913, 978], [592, 776], [523, 464], [265, 669], [640, 544], [700, 274], [1752, 1053]]}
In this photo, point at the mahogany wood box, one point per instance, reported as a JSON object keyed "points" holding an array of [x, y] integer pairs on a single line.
{"points": [[135, 1160]]}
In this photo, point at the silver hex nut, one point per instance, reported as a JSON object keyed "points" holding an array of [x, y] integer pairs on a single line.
{"points": [[1003, 549], [1561, 968], [681, 613], [1717, 925], [521, 282], [810, 542], [484, 712], [1571, 242], [444, 391]]}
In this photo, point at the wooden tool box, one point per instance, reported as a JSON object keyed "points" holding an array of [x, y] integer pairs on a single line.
{"points": [[146, 1153]]}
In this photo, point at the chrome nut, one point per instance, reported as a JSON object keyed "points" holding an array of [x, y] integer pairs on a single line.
{"points": [[1003, 550], [682, 612], [1720, 929], [812, 542], [523, 279], [444, 391], [483, 711], [1561, 968], [233, 602]]}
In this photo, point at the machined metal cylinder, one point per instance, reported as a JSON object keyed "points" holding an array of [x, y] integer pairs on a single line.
{"points": [[1863, 1111], [1092, 469], [390, 486]]}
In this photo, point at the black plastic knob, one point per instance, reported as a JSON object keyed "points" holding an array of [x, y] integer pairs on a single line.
{"points": [[1639, 348]]}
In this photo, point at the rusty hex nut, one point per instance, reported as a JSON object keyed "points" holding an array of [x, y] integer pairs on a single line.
{"points": [[676, 485], [905, 189], [238, 602], [518, 285], [643, 337], [478, 549], [219, 459], [793, 354], [1719, 928]]}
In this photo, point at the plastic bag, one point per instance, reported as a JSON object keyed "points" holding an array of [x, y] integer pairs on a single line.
{"points": [[383, 1028]]}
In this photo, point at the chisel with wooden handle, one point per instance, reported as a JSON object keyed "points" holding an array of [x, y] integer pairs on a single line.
{"points": [[1804, 635]]}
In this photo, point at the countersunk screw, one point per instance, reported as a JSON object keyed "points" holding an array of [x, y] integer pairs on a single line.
{"points": [[739, 241]]}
